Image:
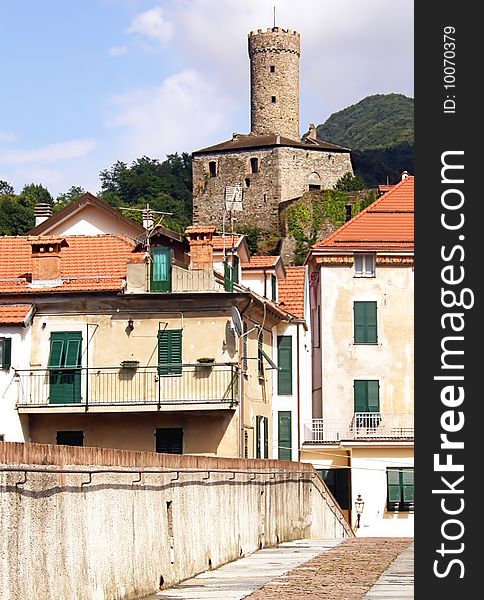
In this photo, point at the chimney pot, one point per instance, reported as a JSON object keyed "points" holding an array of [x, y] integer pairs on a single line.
{"points": [[201, 245], [46, 260], [42, 212]]}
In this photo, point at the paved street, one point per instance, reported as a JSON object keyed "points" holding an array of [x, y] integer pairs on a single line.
{"points": [[355, 569]]}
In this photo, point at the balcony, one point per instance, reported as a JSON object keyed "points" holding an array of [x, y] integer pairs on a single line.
{"points": [[129, 388], [363, 426]]}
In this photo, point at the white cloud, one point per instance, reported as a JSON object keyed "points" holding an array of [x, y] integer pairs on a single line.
{"points": [[49, 153], [153, 26], [116, 51], [170, 117], [7, 136]]}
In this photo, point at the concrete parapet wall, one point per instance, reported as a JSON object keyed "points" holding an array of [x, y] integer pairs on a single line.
{"points": [[102, 524]]}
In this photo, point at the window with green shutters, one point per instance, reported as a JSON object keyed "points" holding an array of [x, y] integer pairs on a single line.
{"points": [[367, 400], [284, 435], [64, 367], [365, 326], [170, 352], [5, 353], [161, 269], [273, 287], [284, 364], [236, 268], [400, 489]]}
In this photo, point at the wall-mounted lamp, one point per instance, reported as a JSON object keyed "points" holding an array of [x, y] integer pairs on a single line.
{"points": [[359, 505], [130, 326]]}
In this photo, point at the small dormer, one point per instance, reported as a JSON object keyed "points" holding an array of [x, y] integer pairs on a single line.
{"points": [[262, 274]]}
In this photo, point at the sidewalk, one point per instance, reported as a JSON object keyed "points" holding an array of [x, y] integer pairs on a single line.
{"points": [[354, 569]]}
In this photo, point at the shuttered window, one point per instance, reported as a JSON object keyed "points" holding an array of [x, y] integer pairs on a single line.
{"points": [[161, 269], [65, 355], [367, 395], [273, 287], [257, 436], [400, 489], [169, 440], [170, 352], [365, 326], [260, 357], [236, 268], [284, 435], [284, 363], [261, 437], [5, 353]]}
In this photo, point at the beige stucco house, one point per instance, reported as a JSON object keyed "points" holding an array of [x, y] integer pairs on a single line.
{"points": [[361, 434]]}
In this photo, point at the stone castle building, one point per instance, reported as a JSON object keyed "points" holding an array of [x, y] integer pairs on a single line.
{"points": [[272, 165]]}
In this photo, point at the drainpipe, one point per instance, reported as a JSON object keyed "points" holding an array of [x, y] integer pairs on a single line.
{"points": [[298, 391]]}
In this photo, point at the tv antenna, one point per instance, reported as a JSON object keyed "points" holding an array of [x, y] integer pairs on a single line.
{"points": [[149, 219], [274, 16]]}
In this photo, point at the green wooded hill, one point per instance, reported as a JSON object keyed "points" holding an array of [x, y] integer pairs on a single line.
{"points": [[379, 131]]}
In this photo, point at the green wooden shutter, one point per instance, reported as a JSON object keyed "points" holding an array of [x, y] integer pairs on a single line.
{"points": [[284, 363], [265, 421], [235, 267], [360, 396], [64, 365], [260, 358], [170, 352], [359, 322], [273, 287], [373, 387], [365, 322], [394, 489], [6, 353], [228, 280], [73, 353], [407, 485], [257, 437], [284, 434], [161, 269]]}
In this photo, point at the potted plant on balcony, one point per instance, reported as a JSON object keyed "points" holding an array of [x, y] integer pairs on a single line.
{"points": [[206, 360]]}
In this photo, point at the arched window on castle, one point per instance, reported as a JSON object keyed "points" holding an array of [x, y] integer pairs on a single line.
{"points": [[314, 182]]}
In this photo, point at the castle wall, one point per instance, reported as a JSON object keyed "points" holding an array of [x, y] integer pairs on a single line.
{"points": [[297, 164]]}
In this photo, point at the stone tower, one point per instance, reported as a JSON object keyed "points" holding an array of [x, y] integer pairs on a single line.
{"points": [[274, 81]]}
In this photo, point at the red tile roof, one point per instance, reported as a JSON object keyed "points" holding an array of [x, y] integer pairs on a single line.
{"points": [[240, 141], [291, 291], [387, 224], [88, 263], [231, 241], [14, 314], [261, 262]]}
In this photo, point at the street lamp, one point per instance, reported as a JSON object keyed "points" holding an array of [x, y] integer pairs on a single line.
{"points": [[359, 505]]}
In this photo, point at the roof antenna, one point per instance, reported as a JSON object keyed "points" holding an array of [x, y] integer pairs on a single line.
{"points": [[274, 17]]}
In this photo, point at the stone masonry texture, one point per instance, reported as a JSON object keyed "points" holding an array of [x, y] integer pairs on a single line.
{"points": [[274, 75], [345, 572]]}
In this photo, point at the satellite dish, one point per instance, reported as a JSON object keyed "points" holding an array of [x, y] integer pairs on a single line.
{"points": [[236, 321]]}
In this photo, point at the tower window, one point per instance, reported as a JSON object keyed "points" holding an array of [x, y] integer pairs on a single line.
{"points": [[272, 68], [254, 165], [212, 168], [273, 99]]}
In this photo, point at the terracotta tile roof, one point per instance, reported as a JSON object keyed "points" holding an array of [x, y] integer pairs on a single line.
{"points": [[14, 314], [261, 262], [200, 229], [239, 142], [88, 263], [231, 241], [388, 223], [291, 291]]}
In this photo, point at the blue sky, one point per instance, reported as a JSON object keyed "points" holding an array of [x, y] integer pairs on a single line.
{"points": [[89, 82]]}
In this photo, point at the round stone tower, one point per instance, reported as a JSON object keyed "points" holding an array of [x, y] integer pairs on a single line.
{"points": [[274, 81]]}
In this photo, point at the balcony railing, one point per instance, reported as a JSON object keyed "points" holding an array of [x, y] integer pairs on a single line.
{"points": [[367, 425], [130, 385]]}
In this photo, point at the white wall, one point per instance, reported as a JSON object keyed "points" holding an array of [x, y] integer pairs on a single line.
{"points": [[13, 427]]}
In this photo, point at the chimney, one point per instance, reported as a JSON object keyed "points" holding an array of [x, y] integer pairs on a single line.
{"points": [[348, 213], [201, 245], [404, 175], [42, 211], [46, 261], [312, 132]]}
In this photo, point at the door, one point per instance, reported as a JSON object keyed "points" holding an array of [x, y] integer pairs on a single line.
{"points": [[284, 435], [161, 269], [64, 367]]}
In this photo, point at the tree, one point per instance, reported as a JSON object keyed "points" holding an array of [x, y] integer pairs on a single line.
{"points": [[350, 183], [6, 189], [62, 200], [15, 218], [33, 194]]}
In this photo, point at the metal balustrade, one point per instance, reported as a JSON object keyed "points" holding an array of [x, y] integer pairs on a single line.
{"points": [[210, 383], [367, 425]]}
